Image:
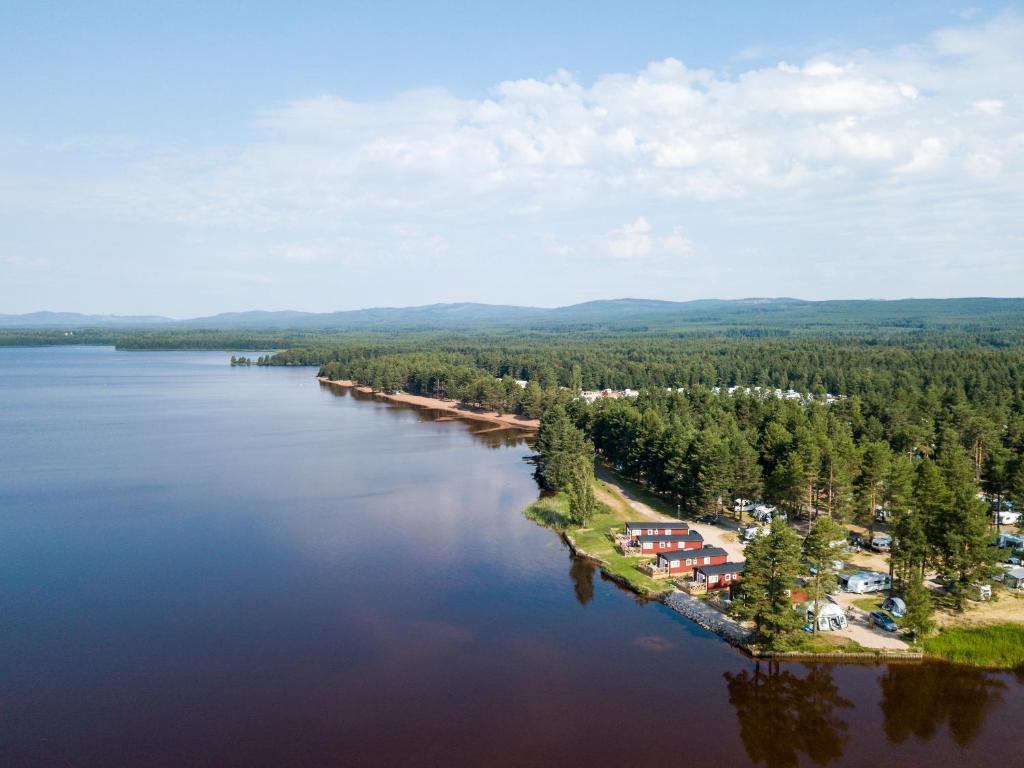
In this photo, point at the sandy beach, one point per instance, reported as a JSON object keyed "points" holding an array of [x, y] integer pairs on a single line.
{"points": [[454, 407]]}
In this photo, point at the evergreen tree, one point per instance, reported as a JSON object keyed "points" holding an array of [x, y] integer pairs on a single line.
{"points": [[919, 606], [964, 539], [772, 565], [820, 548], [559, 444]]}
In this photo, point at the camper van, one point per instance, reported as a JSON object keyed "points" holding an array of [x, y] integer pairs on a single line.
{"points": [[881, 542], [868, 581], [765, 513]]}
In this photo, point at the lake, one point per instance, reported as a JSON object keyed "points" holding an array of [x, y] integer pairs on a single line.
{"points": [[206, 565]]}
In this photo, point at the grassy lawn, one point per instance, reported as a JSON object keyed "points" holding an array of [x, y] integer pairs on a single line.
{"points": [[822, 642], [997, 645], [553, 511], [869, 603]]}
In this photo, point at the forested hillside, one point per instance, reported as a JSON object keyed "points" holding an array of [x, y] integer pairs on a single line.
{"points": [[917, 430]]}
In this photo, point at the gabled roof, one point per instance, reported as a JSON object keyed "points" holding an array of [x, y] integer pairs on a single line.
{"points": [[689, 537], [685, 553], [716, 570], [658, 524]]}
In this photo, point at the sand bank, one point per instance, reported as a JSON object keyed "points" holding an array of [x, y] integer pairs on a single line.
{"points": [[454, 407]]}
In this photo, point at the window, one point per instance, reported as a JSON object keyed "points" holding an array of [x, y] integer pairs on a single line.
{"points": [[651, 531], [707, 561], [689, 561], [728, 577], [675, 563]]}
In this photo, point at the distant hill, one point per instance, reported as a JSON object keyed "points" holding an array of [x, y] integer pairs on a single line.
{"points": [[741, 316], [66, 320]]}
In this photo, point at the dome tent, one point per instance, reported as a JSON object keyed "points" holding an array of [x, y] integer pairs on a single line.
{"points": [[895, 606], [830, 617]]}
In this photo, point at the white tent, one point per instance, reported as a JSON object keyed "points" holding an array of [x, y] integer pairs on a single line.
{"points": [[895, 606], [830, 617]]}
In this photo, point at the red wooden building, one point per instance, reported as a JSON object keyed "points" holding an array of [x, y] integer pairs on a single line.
{"points": [[686, 561], [652, 528], [719, 576], [652, 545]]}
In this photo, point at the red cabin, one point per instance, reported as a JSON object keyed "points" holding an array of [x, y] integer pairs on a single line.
{"points": [[652, 528], [719, 576], [652, 545], [688, 560]]}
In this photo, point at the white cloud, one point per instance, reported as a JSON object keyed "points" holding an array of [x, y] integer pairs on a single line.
{"points": [[926, 137], [675, 244], [632, 241], [668, 132], [637, 241]]}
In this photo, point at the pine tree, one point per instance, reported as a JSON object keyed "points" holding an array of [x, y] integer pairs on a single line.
{"points": [[964, 539], [772, 565], [819, 550], [919, 607]]}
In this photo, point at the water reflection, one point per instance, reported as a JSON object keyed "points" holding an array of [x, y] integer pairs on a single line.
{"points": [[782, 715], [917, 700], [489, 434], [582, 574]]}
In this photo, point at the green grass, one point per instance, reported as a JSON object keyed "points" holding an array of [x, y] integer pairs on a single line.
{"points": [[996, 646], [869, 603], [822, 642], [553, 511]]}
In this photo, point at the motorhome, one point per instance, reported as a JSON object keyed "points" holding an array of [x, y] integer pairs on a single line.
{"points": [[866, 581]]}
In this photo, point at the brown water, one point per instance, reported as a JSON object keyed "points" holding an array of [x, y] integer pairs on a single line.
{"points": [[202, 565]]}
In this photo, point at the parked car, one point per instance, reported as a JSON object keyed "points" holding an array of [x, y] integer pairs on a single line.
{"points": [[884, 621], [881, 542]]}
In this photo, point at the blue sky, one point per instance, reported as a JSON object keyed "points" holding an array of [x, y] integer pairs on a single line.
{"points": [[213, 157]]}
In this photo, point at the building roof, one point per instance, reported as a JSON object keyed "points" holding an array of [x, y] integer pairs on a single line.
{"points": [[1016, 573], [690, 536], [659, 524], [684, 553], [715, 570]]}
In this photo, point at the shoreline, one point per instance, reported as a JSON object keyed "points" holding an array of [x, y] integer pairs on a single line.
{"points": [[614, 497], [453, 407]]}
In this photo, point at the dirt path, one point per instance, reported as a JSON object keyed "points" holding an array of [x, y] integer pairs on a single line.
{"points": [[714, 535], [454, 407], [861, 630]]}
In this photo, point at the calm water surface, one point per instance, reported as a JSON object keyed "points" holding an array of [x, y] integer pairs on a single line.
{"points": [[202, 565]]}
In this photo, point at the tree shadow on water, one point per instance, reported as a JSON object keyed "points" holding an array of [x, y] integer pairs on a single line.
{"points": [[783, 715], [918, 699], [582, 574]]}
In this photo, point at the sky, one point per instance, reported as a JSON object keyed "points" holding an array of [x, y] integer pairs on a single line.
{"points": [[203, 157]]}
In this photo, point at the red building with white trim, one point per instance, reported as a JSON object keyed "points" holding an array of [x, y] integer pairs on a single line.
{"points": [[685, 562]]}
